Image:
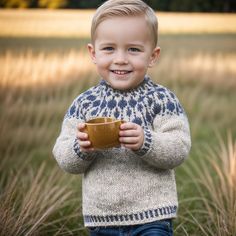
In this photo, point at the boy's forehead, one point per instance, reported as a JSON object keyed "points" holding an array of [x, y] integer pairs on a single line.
{"points": [[124, 28], [131, 25]]}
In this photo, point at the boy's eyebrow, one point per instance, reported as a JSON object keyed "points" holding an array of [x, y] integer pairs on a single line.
{"points": [[140, 45], [132, 44], [106, 44]]}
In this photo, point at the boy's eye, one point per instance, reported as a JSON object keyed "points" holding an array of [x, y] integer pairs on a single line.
{"points": [[108, 49], [134, 50]]}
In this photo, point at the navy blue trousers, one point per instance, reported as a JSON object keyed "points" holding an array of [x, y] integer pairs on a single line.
{"points": [[156, 228]]}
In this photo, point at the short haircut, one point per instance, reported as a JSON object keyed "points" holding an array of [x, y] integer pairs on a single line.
{"points": [[117, 8]]}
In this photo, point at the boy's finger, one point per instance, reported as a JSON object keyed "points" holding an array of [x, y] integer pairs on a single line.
{"points": [[129, 140], [129, 133], [84, 144], [82, 136], [128, 125], [81, 126]]}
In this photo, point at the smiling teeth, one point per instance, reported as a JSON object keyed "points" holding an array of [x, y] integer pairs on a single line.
{"points": [[121, 72]]}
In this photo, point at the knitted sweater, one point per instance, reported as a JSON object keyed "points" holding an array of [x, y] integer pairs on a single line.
{"points": [[121, 186]]}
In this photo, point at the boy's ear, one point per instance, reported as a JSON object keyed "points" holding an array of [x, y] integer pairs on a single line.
{"points": [[154, 57], [91, 50]]}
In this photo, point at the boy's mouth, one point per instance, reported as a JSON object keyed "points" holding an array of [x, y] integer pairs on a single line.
{"points": [[121, 72]]}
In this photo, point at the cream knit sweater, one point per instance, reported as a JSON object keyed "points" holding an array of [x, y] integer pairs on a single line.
{"points": [[122, 187]]}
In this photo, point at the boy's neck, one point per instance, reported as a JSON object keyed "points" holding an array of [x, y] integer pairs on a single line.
{"points": [[104, 82]]}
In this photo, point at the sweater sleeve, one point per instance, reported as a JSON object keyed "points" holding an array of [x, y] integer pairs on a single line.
{"points": [[167, 143], [66, 149]]}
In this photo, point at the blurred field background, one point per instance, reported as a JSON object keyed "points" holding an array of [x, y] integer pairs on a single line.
{"points": [[44, 65]]}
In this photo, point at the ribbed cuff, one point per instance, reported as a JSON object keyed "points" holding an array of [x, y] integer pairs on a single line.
{"points": [[81, 155], [146, 144]]}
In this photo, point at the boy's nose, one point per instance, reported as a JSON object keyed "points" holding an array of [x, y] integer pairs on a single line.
{"points": [[120, 58]]}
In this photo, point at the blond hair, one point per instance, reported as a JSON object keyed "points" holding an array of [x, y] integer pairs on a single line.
{"points": [[115, 8]]}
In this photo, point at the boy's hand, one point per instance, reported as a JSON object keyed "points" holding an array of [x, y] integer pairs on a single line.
{"points": [[131, 136], [83, 140]]}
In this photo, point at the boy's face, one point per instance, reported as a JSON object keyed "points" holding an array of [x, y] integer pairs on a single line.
{"points": [[123, 51]]}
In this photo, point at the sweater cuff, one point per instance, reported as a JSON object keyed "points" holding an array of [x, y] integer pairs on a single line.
{"points": [[146, 144], [79, 153]]}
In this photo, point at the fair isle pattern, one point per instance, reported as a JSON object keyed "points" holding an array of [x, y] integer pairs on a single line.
{"points": [[140, 106], [159, 212]]}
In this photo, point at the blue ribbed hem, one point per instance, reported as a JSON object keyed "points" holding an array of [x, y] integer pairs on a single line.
{"points": [[147, 143], [161, 213]]}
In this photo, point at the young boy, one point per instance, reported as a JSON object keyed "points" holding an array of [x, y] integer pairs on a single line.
{"points": [[129, 190]]}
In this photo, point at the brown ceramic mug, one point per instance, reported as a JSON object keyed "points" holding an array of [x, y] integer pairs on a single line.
{"points": [[103, 132]]}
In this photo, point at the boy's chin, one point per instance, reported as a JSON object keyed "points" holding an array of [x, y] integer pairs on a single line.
{"points": [[123, 85]]}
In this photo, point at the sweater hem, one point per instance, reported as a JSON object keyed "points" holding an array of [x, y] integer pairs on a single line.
{"points": [[132, 218]]}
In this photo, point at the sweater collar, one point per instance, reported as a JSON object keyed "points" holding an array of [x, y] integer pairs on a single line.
{"points": [[139, 88]]}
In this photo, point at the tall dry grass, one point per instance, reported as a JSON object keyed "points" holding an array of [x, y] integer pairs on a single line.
{"points": [[214, 176], [32, 202], [28, 69], [206, 69], [36, 198]]}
